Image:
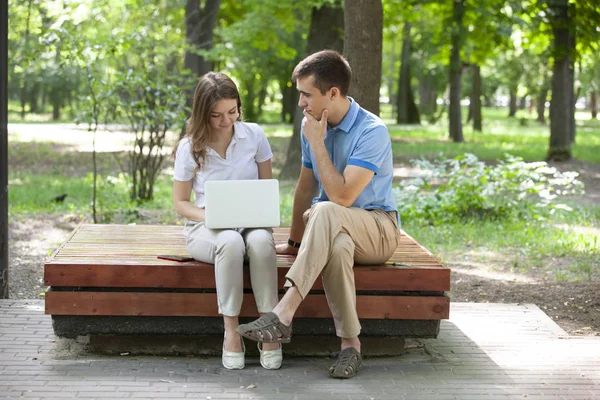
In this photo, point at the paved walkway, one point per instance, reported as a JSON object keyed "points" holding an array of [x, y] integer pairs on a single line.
{"points": [[485, 351]]}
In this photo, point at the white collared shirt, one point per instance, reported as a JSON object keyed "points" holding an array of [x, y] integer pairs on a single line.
{"points": [[249, 146]]}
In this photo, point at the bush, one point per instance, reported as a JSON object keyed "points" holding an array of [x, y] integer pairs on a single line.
{"points": [[464, 188]]}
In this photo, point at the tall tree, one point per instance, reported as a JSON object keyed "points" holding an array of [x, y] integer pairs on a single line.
{"points": [[326, 32], [407, 113], [455, 119], [561, 105], [362, 48], [200, 20], [4, 150], [26, 53], [475, 105], [540, 102]]}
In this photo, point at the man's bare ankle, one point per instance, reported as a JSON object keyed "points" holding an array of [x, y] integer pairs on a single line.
{"points": [[284, 316], [351, 342]]}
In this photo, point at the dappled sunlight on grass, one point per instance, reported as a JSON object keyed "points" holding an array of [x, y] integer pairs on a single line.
{"points": [[589, 231], [481, 270], [520, 136]]}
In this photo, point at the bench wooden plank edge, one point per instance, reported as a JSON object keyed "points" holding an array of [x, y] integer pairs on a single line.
{"points": [[205, 304], [202, 276]]}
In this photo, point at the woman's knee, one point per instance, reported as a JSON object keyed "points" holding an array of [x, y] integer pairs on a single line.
{"points": [[230, 241], [260, 240]]}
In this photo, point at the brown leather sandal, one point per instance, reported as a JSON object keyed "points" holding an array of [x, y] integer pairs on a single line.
{"points": [[266, 329], [349, 360]]}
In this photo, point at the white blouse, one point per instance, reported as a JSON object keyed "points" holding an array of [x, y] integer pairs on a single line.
{"points": [[249, 146]]}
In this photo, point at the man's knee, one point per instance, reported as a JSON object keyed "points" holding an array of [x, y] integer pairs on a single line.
{"points": [[323, 209]]}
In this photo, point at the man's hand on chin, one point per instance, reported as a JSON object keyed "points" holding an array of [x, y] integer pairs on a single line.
{"points": [[314, 130], [286, 249]]}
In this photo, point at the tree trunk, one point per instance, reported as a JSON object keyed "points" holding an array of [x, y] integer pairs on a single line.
{"points": [[523, 102], [288, 101], [390, 82], [470, 112], [454, 114], [571, 16], [24, 78], [512, 103], [362, 49], [55, 112], [286, 86], [427, 96], [541, 104], [4, 89], [262, 96], [34, 92], [593, 105], [475, 106], [562, 87], [326, 32], [408, 112], [249, 99], [199, 26], [574, 97]]}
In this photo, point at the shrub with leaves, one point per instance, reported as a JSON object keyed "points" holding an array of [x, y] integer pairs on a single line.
{"points": [[152, 102], [464, 187]]}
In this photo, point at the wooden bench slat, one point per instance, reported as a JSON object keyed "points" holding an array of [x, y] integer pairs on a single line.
{"points": [[205, 304], [201, 275]]}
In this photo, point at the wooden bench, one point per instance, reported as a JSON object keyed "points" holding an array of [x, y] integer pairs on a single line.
{"points": [[106, 280]]}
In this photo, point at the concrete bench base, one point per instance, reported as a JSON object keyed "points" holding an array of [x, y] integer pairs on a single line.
{"points": [[72, 326], [211, 345]]}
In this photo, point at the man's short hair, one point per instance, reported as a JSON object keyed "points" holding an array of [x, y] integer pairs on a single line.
{"points": [[328, 68]]}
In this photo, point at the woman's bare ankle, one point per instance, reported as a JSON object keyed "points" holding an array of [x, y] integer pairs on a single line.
{"points": [[270, 346], [232, 341]]}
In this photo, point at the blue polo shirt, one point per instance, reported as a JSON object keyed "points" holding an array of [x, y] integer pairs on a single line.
{"points": [[361, 139]]}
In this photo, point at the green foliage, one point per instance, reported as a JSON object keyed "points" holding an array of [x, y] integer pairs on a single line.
{"points": [[153, 104], [465, 188], [261, 44]]}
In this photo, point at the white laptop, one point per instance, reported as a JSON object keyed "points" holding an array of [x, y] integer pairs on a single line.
{"points": [[241, 203]]}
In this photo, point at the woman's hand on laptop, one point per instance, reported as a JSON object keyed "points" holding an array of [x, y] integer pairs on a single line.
{"points": [[286, 249]]}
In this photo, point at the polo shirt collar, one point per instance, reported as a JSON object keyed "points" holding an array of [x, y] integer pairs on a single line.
{"points": [[350, 117], [238, 131]]}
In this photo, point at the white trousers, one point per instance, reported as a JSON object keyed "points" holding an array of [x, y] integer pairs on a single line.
{"points": [[227, 249]]}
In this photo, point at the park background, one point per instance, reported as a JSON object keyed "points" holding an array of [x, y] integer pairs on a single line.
{"points": [[491, 106]]}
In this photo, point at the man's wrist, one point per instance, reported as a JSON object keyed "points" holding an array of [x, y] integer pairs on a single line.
{"points": [[293, 243]]}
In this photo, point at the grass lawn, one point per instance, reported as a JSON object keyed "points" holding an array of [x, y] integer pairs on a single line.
{"points": [[500, 135]]}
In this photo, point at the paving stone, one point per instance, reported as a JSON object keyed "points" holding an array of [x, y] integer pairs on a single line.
{"points": [[485, 351]]}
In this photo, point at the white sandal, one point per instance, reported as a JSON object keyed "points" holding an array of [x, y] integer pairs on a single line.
{"points": [[270, 359], [234, 359]]}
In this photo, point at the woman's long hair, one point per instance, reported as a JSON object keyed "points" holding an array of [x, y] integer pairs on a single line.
{"points": [[211, 88]]}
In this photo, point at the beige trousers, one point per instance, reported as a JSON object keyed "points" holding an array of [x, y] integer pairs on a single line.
{"points": [[227, 249], [335, 238]]}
